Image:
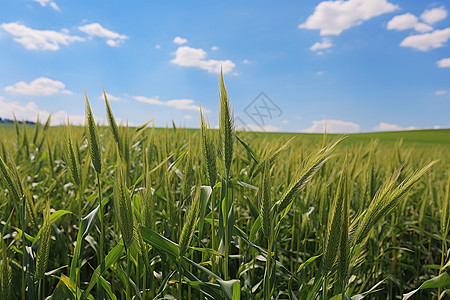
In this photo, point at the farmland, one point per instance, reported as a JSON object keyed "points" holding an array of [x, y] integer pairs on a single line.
{"points": [[144, 213]]}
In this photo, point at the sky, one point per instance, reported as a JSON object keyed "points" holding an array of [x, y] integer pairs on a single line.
{"points": [[291, 66]]}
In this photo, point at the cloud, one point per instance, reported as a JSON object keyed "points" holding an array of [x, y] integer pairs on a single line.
{"points": [[158, 46], [186, 56], [427, 41], [113, 39], [184, 104], [285, 122], [319, 73], [391, 127], [30, 111], [110, 97], [440, 93], [35, 39], [187, 117], [444, 63], [214, 48], [333, 17], [407, 21], [326, 43], [332, 126], [41, 86], [44, 3], [179, 40], [434, 15], [245, 61]]}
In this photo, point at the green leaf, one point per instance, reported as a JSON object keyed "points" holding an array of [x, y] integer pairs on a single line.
{"points": [[158, 241], [111, 258], [436, 282], [86, 225], [228, 287], [53, 218], [308, 262]]}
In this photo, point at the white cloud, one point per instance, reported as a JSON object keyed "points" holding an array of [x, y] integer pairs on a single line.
{"points": [[245, 61], [319, 73], [391, 127], [407, 21], [427, 41], [332, 126], [113, 39], [440, 93], [41, 86], [158, 46], [110, 97], [179, 40], [30, 111], [186, 56], [434, 15], [44, 3], [214, 48], [285, 122], [184, 104], [188, 117], [35, 39], [444, 63], [326, 43], [333, 17]]}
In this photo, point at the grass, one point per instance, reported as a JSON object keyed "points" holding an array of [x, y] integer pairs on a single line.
{"points": [[163, 213]]}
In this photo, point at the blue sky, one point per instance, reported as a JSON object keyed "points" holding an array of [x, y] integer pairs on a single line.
{"points": [[354, 66]]}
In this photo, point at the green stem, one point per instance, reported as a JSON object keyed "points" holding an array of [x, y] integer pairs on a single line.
{"points": [[180, 273], [22, 211], [213, 229], [128, 274], [324, 288], [267, 287], [443, 251], [100, 294], [144, 283], [225, 222]]}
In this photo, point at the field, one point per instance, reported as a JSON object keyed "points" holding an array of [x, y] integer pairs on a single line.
{"points": [[118, 213]]}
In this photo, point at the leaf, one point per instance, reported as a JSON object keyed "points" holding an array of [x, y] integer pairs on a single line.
{"points": [[205, 193], [228, 287], [436, 282], [86, 225], [53, 218], [111, 258], [249, 150], [308, 262], [158, 241], [370, 291]]}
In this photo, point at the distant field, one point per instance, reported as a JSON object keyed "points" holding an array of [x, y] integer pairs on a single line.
{"points": [[433, 136], [430, 136]]}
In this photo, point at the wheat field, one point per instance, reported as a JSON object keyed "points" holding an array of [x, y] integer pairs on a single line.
{"points": [[114, 212]]}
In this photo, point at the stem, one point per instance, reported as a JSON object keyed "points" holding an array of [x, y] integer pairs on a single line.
{"points": [[443, 251], [100, 294], [213, 229], [128, 274], [39, 289], [227, 246], [180, 273], [267, 287], [324, 287], [144, 283], [22, 211]]}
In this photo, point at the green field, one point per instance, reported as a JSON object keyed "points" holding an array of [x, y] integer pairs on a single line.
{"points": [[219, 214]]}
